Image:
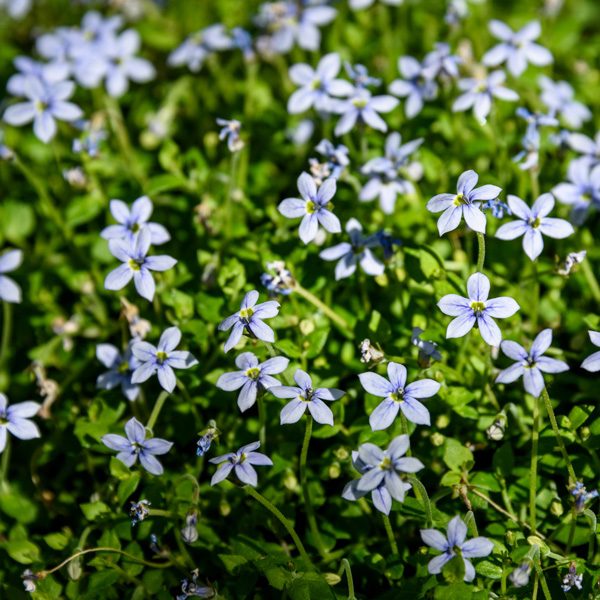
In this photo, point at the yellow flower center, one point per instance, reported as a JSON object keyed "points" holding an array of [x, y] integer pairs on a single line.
{"points": [[311, 207], [460, 200], [161, 357], [123, 368], [246, 314], [253, 373]]}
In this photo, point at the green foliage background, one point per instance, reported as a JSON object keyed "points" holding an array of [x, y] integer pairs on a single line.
{"points": [[66, 491]]}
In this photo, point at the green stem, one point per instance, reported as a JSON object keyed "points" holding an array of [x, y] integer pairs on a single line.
{"points": [[539, 574], [323, 307], [235, 159], [535, 434], [390, 533], [424, 499], [156, 410], [535, 184], [262, 432], [404, 425], [462, 353], [304, 483], [363, 144], [591, 279], [503, 580], [43, 574], [481, 252], [250, 490], [6, 331], [345, 566], [572, 531], [535, 299], [4, 466], [559, 439]]}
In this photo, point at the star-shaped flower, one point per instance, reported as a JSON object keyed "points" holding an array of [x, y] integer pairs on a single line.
{"points": [[592, 362], [530, 365], [136, 444], [455, 545], [477, 310], [305, 397], [532, 223], [465, 203], [398, 396], [241, 462]]}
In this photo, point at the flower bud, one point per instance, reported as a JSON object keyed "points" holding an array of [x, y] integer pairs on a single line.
{"points": [[510, 537], [334, 470], [442, 421], [437, 439], [496, 430], [556, 507]]}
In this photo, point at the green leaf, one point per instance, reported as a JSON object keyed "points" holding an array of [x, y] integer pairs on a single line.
{"points": [[310, 586], [454, 570], [57, 541], [457, 591], [163, 183], [23, 551], [18, 507], [503, 460], [489, 569], [127, 487], [457, 456], [232, 562], [91, 510]]}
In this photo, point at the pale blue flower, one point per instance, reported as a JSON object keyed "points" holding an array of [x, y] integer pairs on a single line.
{"points": [[362, 4], [133, 221], [398, 396], [305, 397], [532, 223], [592, 362], [363, 108], [387, 467], [581, 495], [360, 76], [249, 318], [520, 576], [455, 545], [9, 290], [161, 360], [417, 86], [136, 445], [16, 9], [120, 369], [497, 207], [44, 105], [241, 463], [230, 129], [530, 365], [558, 96], [358, 251], [465, 203], [516, 48], [588, 147], [337, 157], [139, 511], [441, 62], [477, 310], [123, 65], [48, 73], [318, 85], [278, 279], [427, 350], [571, 578], [14, 419], [582, 191], [253, 377], [382, 500], [479, 94], [193, 589], [313, 207], [531, 150], [241, 39], [536, 119], [89, 142], [199, 46]]}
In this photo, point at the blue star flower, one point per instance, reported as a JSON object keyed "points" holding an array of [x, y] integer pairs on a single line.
{"points": [[304, 396], [455, 545], [364, 108], [249, 318], [241, 462], [313, 207], [465, 203], [253, 377], [592, 362], [558, 96], [530, 365], [120, 370], [477, 310], [387, 467], [136, 445], [9, 290], [162, 359], [532, 223], [398, 396], [136, 265], [583, 190], [417, 86], [15, 419]]}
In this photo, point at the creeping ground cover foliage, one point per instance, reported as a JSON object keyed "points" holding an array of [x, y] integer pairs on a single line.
{"points": [[300, 299]]}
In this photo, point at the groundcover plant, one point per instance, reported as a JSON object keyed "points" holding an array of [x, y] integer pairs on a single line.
{"points": [[299, 299]]}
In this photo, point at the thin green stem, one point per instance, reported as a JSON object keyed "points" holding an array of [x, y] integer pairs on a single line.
{"points": [[4, 466], [535, 434], [262, 432], [591, 279], [503, 580], [363, 144], [390, 533], [345, 566], [462, 353], [535, 184], [424, 499], [269, 506], [324, 308], [305, 492], [481, 252], [6, 330], [156, 410], [404, 425], [235, 159], [572, 531], [43, 574], [559, 439], [539, 574], [535, 297]]}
